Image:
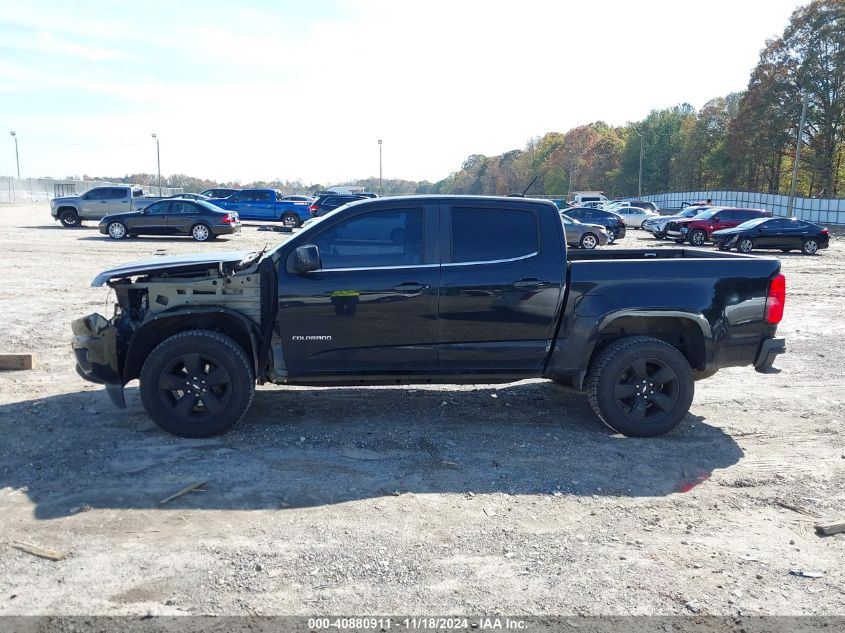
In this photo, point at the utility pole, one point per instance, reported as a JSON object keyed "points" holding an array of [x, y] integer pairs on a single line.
{"points": [[380, 186], [17, 158], [640, 179], [158, 160], [790, 209]]}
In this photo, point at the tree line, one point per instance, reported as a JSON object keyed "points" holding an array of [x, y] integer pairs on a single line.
{"points": [[742, 141]]}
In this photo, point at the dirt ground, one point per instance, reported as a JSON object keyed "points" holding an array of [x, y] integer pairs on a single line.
{"points": [[478, 499]]}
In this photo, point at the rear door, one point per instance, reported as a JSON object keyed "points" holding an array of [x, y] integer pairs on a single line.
{"points": [[264, 206], [120, 200], [181, 217], [372, 306], [500, 288]]}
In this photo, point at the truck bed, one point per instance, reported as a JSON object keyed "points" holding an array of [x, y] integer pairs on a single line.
{"points": [[595, 255]]}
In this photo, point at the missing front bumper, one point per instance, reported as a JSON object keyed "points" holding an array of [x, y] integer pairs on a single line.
{"points": [[94, 344]]}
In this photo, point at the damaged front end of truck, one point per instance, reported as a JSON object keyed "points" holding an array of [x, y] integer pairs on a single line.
{"points": [[230, 292]]}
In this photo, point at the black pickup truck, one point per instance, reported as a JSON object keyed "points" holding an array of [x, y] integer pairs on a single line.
{"points": [[432, 289]]}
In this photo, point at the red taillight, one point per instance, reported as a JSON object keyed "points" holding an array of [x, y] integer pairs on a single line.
{"points": [[228, 219], [825, 232], [313, 209], [775, 300]]}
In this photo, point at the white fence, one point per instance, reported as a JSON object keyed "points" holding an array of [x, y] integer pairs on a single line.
{"points": [[810, 209], [14, 190]]}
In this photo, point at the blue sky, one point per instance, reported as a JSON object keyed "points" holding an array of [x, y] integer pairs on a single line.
{"points": [[304, 90]]}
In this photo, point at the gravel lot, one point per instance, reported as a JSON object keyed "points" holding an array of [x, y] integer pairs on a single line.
{"points": [[482, 499]]}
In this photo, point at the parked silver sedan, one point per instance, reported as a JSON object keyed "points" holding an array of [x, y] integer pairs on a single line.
{"points": [[580, 235]]}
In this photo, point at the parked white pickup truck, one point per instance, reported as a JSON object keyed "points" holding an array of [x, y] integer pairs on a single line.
{"points": [[99, 202]]}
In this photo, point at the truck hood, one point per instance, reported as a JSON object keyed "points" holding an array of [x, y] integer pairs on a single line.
{"points": [[178, 264]]}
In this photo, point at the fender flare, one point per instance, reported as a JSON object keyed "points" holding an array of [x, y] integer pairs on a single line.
{"points": [[164, 324]]}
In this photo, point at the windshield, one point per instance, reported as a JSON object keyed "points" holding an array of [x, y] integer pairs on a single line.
{"points": [[706, 215]]}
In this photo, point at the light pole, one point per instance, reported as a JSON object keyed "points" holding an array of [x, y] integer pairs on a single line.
{"points": [[640, 179], [17, 158], [380, 186], [158, 160]]}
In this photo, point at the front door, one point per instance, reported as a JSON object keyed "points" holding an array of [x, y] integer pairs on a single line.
{"points": [[153, 221], [372, 306], [500, 291], [94, 204]]}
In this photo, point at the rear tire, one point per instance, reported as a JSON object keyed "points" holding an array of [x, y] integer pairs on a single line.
{"points": [[640, 386], [201, 232], [69, 218], [810, 247], [290, 220], [197, 383]]}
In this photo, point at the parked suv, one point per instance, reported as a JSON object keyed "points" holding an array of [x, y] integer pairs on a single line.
{"points": [[698, 230], [330, 202], [614, 223]]}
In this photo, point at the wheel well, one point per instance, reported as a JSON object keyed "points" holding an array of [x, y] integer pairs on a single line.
{"points": [[62, 209], [681, 333], [148, 337]]}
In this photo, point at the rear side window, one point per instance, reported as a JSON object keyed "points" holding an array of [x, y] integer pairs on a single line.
{"points": [[747, 215], [480, 235]]}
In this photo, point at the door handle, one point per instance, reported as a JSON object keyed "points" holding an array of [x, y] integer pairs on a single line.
{"points": [[411, 286], [529, 283], [103, 201]]}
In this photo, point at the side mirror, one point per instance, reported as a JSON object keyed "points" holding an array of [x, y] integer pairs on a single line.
{"points": [[306, 259]]}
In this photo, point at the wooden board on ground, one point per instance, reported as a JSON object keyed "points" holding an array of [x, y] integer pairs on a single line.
{"points": [[17, 361]]}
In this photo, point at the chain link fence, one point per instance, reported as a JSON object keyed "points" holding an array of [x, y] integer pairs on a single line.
{"points": [[22, 190]]}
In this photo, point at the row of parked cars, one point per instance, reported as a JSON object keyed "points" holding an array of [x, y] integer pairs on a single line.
{"points": [[125, 210], [741, 228]]}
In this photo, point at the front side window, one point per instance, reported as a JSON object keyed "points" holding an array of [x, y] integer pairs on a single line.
{"points": [[375, 239], [101, 193], [480, 234]]}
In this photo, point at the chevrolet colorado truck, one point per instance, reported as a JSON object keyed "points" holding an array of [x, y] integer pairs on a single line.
{"points": [[97, 203], [471, 290]]}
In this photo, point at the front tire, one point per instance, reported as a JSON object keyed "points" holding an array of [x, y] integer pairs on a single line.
{"points": [[117, 230], [745, 245], [197, 383], [201, 232], [810, 247], [589, 241], [290, 220], [69, 218], [640, 386], [698, 237]]}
